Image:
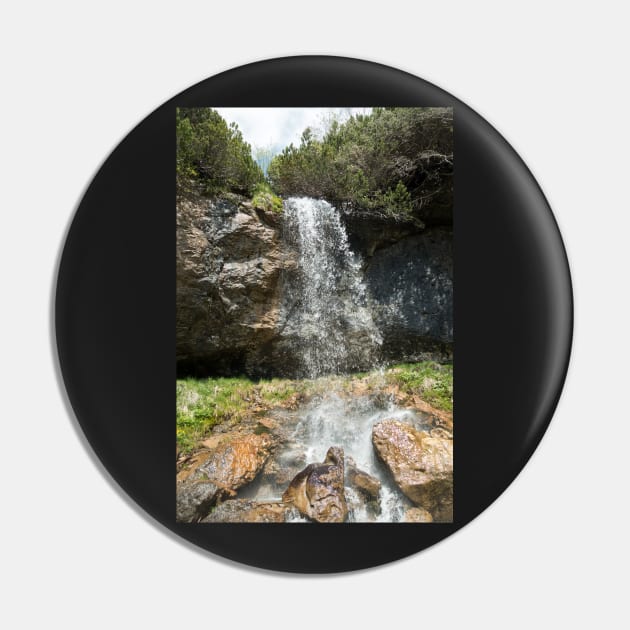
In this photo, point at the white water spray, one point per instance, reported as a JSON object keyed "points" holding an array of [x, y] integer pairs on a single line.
{"points": [[330, 310], [330, 314]]}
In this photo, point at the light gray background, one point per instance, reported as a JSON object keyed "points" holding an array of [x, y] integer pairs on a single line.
{"points": [[553, 551]]}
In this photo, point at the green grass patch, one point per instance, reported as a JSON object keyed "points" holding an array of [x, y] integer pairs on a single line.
{"points": [[204, 403], [265, 199], [433, 382]]}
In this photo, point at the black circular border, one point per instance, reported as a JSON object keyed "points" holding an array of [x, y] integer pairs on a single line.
{"points": [[115, 313]]}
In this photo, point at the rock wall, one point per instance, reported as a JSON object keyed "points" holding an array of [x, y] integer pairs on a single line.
{"points": [[408, 270], [233, 267], [229, 261], [411, 284]]}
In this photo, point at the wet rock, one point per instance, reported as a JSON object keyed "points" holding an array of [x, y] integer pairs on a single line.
{"points": [[186, 466], [417, 515], [318, 491], [194, 500], [411, 285], [230, 466], [437, 418], [244, 511], [421, 464], [365, 483], [361, 509], [237, 461], [283, 467]]}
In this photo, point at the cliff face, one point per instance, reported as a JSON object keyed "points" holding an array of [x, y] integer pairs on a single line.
{"points": [[411, 284], [234, 267], [229, 262]]}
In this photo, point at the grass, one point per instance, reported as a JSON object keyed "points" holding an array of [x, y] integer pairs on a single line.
{"points": [[204, 403], [265, 199], [431, 381]]}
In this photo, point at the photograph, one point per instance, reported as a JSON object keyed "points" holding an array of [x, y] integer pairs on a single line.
{"points": [[314, 315]]}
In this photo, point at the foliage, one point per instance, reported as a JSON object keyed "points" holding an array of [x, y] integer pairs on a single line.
{"points": [[212, 155], [204, 403], [433, 382], [395, 200], [394, 160], [264, 199]]}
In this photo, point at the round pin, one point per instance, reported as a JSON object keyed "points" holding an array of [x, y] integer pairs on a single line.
{"points": [[314, 314]]}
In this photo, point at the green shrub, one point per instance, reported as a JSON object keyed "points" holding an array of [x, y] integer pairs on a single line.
{"points": [[264, 199], [391, 160], [394, 202], [212, 154]]}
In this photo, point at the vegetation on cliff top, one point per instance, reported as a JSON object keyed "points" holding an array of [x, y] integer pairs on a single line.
{"points": [[204, 403], [212, 156], [264, 198], [394, 160]]}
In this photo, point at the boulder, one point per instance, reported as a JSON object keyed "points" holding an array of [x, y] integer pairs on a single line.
{"points": [[233, 464], [244, 511], [194, 500], [358, 479], [417, 515], [421, 464], [318, 490]]}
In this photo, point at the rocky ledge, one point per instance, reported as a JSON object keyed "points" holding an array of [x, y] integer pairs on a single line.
{"points": [[212, 485]]}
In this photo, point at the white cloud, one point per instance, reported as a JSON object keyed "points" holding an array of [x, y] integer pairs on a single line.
{"points": [[281, 126]]}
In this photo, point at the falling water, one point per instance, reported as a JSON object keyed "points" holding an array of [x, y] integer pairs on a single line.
{"points": [[330, 311], [341, 420], [330, 316]]}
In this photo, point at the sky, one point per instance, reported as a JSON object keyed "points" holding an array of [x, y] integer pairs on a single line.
{"points": [[279, 126]]}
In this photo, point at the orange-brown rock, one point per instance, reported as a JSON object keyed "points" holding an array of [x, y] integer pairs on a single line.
{"points": [[231, 465], [188, 465], [417, 515], [421, 463], [367, 485], [318, 491]]}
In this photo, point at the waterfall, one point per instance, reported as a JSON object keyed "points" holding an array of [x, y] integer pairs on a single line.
{"points": [[329, 310], [329, 324], [347, 421]]}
